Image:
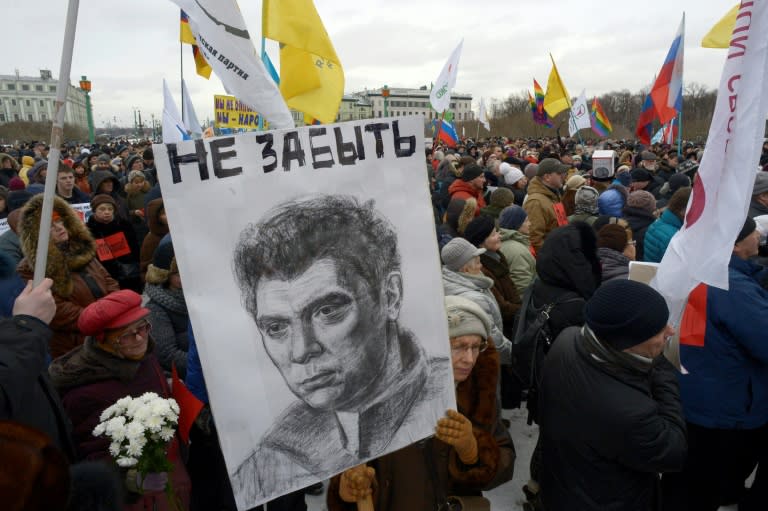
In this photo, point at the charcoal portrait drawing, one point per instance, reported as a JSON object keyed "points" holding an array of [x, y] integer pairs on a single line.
{"points": [[321, 278]]}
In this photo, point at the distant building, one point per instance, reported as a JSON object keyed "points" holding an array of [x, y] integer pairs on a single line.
{"points": [[32, 98], [369, 104]]}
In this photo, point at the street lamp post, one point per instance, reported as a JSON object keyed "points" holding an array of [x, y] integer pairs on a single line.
{"points": [[85, 85], [385, 94]]}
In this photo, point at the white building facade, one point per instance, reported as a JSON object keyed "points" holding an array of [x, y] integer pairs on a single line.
{"points": [[402, 101], [32, 98]]}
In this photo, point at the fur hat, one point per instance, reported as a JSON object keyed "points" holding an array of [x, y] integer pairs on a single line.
{"points": [[104, 157], [612, 236], [163, 264], [479, 229], [117, 309], [512, 217], [625, 313], [81, 247], [465, 317], [586, 200], [456, 253], [467, 214], [641, 199]]}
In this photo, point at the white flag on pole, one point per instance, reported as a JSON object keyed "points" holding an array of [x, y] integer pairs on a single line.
{"points": [[226, 44], [173, 126], [701, 250], [579, 118], [189, 116], [483, 117], [440, 97]]}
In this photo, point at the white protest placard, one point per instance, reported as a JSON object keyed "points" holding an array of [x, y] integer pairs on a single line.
{"points": [[83, 210], [315, 294], [4, 225]]}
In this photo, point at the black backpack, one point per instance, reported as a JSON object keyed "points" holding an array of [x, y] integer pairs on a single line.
{"points": [[531, 342]]}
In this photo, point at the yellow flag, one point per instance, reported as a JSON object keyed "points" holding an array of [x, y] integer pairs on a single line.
{"points": [[311, 75], [719, 36], [185, 33], [556, 99]]}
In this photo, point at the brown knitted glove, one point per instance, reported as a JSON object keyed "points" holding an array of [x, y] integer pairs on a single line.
{"points": [[356, 483], [456, 430]]}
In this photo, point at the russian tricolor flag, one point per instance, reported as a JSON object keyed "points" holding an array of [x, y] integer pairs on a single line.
{"points": [[446, 133], [667, 91]]}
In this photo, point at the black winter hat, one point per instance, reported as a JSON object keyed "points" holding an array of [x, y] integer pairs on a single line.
{"points": [[163, 264], [470, 172], [17, 199], [749, 227], [625, 313], [479, 229]]}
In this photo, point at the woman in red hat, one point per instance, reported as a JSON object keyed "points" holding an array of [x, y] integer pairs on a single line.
{"points": [[116, 360]]}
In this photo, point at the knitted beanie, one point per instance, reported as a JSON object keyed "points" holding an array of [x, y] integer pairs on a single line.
{"points": [[456, 253], [502, 197], [586, 200], [471, 172], [641, 199], [612, 236], [465, 317], [625, 313], [575, 182], [134, 174], [102, 198], [479, 229], [115, 310], [17, 199], [678, 181], [16, 184], [750, 226], [512, 217]]}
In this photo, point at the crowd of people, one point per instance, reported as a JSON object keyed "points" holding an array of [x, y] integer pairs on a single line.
{"points": [[535, 246]]}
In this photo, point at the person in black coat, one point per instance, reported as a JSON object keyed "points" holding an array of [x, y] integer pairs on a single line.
{"points": [[26, 393], [122, 258], [610, 413], [640, 212]]}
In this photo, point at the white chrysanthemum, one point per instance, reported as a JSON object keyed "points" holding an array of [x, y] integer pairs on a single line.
{"points": [[127, 462], [123, 402], [108, 413], [100, 429], [136, 446], [160, 407], [134, 430], [114, 449], [154, 423], [115, 428], [167, 434], [148, 397], [174, 406]]}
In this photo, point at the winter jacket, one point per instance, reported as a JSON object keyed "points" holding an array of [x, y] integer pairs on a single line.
{"points": [[195, 380], [496, 267], [26, 394], [516, 248], [607, 430], [568, 267], [615, 265], [582, 217], [639, 220], [478, 289], [11, 284], [540, 206], [9, 240], [119, 268], [70, 269], [89, 380], [156, 232], [727, 382], [7, 174], [27, 162], [658, 236], [462, 190], [100, 176], [134, 200], [169, 319], [405, 481], [78, 197]]}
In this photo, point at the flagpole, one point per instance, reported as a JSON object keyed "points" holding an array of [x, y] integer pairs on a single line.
{"points": [[44, 234], [263, 51], [680, 115], [181, 69], [437, 134]]}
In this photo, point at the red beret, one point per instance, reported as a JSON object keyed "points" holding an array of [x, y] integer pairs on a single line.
{"points": [[115, 310]]}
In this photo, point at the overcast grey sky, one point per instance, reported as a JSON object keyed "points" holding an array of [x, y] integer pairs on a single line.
{"points": [[126, 48]]}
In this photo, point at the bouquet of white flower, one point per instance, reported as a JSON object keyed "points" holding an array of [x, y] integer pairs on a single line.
{"points": [[140, 429]]}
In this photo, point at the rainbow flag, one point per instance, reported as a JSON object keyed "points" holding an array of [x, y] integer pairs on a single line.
{"points": [[532, 102], [540, 115], [600, 123]]}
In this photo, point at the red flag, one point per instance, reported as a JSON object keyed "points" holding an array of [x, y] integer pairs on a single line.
{"points": [[189, 405]]}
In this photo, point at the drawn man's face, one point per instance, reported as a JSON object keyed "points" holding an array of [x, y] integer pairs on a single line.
{"points": [[326, 337]]}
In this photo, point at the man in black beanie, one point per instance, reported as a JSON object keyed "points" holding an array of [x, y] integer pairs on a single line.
{"points": [[610, 412]]}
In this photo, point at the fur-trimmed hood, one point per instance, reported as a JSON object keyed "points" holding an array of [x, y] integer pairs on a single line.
{"points": [[132, 189], [81, 247], [14, 163], [99, 176]]}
